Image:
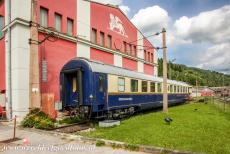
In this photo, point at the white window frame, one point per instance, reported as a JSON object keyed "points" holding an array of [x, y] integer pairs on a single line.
{"points": [[121, 84], [44, 17]]}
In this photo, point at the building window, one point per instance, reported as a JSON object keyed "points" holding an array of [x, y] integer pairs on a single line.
{"points": [[43, 17], [135, 51], [144, 86], [109, 41], [145, 54], [69, 26], [58, 22], [159, 87], [1, 26], [152, 86], [130, 49], [102, 39], [134, 85], [94, 36], [121, 84], [125, 47], [152, 57], [148, 57]]}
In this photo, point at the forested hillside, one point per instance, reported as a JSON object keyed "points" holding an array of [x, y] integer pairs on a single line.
{"points": [[190, 74]]}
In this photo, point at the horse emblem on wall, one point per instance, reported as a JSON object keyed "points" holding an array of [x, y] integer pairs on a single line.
{"points": [[116, 25]]}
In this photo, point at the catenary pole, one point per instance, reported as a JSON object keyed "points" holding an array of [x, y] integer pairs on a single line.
{"points": [[165, 88]]}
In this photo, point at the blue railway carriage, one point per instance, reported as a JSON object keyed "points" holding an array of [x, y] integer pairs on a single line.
{"points": [[95, 89]]}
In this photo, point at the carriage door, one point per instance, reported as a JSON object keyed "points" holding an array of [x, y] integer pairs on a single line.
{"points": [[74, 94], [101, 88], [76, 91]]}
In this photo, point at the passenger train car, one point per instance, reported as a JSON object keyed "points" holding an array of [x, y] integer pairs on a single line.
{"points": [[98, 90]]}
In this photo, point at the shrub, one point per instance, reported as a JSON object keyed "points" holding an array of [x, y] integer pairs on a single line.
{"points": [[116, 146], [100, 143], [38, 119], [70, 120], [131, 147]]}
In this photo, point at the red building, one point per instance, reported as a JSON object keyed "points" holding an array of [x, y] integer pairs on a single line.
{"points": [[31, 56]]}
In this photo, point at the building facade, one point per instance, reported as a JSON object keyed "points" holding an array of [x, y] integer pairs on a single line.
{"points": [[39, 37]]}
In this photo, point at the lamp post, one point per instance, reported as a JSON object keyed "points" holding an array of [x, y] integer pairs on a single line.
{"points": [[165, 88]]}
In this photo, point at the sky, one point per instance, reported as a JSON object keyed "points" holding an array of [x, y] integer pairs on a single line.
{"points": [[198, 31]]}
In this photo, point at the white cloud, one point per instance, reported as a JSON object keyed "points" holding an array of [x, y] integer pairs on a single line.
{"points": [[216, 57], [125, 9], [211, 26], [151, 19]]}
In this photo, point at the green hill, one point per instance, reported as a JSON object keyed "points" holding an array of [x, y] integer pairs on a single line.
{"points": [[189, 74]]}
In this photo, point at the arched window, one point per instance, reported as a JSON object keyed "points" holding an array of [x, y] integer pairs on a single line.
{"points": [[1, 26]]}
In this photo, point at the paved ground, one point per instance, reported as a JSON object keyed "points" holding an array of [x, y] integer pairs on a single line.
{"points": [[43, 143]]}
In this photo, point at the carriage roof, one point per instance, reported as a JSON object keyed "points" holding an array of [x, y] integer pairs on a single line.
{"points": [[110, 69]]}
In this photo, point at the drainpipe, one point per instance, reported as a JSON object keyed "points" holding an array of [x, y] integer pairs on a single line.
{"points": [[9, 84]]}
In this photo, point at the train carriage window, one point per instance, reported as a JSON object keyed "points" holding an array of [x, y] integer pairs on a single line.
{"points": [[171, 88], [100, 83], [174, 88], [121, 84], [178, 89], [144, 86], [134, 85], [159, 88], [152, 86], [74, 86]]}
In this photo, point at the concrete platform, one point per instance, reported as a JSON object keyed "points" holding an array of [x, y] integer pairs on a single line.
{"points": [[109, 123]]}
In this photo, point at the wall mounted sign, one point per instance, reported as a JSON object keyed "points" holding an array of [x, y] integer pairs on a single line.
{"points": [[116, 25]]}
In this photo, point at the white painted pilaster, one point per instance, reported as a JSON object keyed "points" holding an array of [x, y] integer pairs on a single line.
{"points": [[117, 60], [140, 66], [140, 52], [20, 35], [155, 62], [83, 27]]}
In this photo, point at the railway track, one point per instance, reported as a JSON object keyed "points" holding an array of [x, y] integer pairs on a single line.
{"points": [[73, 128]]}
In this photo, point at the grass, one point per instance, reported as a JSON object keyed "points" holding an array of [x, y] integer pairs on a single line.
{"points": [[206, 130]]}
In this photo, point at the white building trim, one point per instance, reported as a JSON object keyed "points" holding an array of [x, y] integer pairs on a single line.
{"points": [[83, 27]]}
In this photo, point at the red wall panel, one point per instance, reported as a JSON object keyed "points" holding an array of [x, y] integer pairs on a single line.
{"points": [[2, 53], [149, 49], [101, 56], [60, 52], [100, 20], [57, 54], [148, 69], [129, 64], [66, 9]]}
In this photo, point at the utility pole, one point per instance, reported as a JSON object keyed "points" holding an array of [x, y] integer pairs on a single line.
{"points": [[165, 88], [34, 91]]}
